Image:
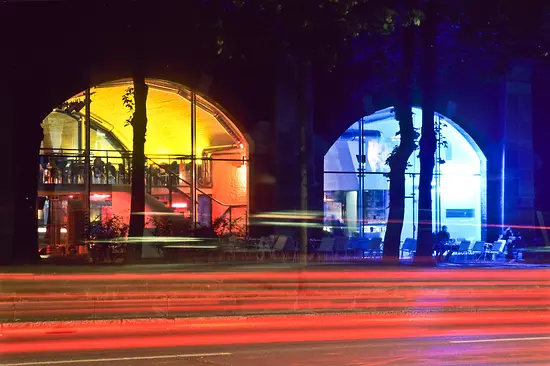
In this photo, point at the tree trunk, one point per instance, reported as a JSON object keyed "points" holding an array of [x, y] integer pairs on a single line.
{"points": [[25, 240], [398, 161], [428, 141], [139, 124]]}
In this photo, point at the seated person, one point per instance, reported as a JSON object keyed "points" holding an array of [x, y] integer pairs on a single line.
{"points": [[336, 227], [372, 234], [508, 233], [442, 239]]}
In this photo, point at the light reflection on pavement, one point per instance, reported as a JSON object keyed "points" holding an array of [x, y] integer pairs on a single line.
{"points": [[473, 316]]}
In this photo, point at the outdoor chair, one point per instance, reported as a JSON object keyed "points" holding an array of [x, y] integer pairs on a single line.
{"points": [[477, 250], [464, 247], [354, 245], [284, 246], [273, 239], [325, 248], [230, 248], [409, 246], [497, 249], [341, 245], [250, 249], [374, 247], [266, 242], [261, 248], [358, 246]]}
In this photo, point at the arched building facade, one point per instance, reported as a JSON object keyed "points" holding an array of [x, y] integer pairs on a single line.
{"points": [[196, 156], [260, 97], [356, 187]]}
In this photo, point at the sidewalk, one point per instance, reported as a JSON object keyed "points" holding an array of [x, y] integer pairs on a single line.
{"points": [[140, 268], [245, 266]]}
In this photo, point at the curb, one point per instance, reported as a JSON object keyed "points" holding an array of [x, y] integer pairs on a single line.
{"points": [[37, 329], [67, 327]]}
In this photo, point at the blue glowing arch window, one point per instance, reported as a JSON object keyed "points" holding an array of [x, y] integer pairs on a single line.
{"points": [[459, 183]]}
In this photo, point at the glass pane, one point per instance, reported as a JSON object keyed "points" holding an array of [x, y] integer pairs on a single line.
{"points": [[346, 208], [458, 188]]}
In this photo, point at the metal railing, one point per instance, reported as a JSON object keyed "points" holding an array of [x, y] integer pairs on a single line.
{"points": [[172, 177], [67, 166]]}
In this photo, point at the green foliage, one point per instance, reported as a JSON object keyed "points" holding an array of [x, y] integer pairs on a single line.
{"points": [[392, 154], [308, 30], [104, 235], [113, 228], [441, 140], [224, 228], [71, 106], [166, 226], [396, 147], [74, 105], [391, 19], [128, 101], [162, 224]]}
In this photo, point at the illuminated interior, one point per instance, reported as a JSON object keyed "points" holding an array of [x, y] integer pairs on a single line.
{"points": [[221, 153], [459, 185], [168, 115]]}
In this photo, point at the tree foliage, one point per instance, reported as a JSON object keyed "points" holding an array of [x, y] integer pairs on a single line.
{"points": [[128, 101], [477, 40], [111, 228], [309, 30]]}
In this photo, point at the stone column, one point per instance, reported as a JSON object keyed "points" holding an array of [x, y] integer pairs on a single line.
{"points": [[518, 156], [287, 137], [263, 185], [7, 182], [7, 211]]}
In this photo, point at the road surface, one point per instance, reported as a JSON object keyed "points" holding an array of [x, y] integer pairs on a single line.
{"points": [[527, 349], [475, 316], [450, 338], [45, 297]]}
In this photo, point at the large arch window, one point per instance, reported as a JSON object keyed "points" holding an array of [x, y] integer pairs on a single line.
{"points": [[219, 186], [356, 188]]}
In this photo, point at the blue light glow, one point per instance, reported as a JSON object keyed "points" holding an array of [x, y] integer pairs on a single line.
{"points": [[460, 184]]}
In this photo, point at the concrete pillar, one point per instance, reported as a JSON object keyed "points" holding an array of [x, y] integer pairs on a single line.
{"points": [[287, 133], [287, 145], [262, 191], [517, 154], [494, 179], [7, 205]]}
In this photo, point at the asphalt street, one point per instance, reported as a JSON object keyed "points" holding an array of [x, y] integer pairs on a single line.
{"points": [[492, 338], [532, 349], [477, 316]]}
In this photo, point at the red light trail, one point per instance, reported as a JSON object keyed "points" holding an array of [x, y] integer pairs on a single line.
{"points": [[241, 308]]}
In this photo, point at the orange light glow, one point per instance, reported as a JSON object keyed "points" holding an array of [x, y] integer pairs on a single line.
{"points": [[242, 174], [99, 197]]}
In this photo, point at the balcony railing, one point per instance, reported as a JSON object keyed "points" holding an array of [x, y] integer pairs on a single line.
{"points": [[111, 167]]}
